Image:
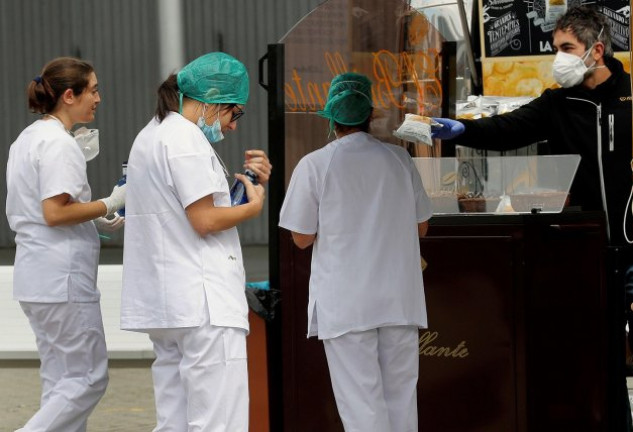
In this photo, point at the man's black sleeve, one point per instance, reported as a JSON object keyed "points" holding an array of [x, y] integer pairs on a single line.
{"points": [[524, 126]]}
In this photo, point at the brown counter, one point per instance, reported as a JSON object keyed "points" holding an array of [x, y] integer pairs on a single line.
{"points": [[518, 320]]}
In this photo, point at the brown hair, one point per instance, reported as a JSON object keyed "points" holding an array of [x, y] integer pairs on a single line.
{"points": [[168, 99], [588, 26], [56, 77]]}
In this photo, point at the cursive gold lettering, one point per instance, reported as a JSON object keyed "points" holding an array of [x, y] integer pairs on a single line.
{"points": [[335, 63], [429, 350], [291, 98], [384, 64], [297, 80], [398, 78], [316, 101]]}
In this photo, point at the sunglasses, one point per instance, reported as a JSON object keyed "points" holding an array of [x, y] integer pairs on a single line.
{"points": [[235, 114]]}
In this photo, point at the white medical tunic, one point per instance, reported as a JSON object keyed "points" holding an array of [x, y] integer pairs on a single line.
{"points": [[52, 264], [363, 198], [168, 268]]}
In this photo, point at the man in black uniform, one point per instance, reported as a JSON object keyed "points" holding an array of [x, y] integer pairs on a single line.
{"points": [[591, 116]]}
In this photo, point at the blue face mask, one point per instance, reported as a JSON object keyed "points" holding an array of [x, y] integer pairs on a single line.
{"points": [[213, 132]]}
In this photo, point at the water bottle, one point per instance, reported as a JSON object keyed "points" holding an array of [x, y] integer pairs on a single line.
{"points": [[238, 190], [121, 182]]}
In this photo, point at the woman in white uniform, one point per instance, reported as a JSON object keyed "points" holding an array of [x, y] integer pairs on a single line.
{"points": [[362, 204], [183, 276], [57, 244]]}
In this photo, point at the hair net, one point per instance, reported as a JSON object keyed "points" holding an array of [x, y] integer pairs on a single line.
{"points": [[214, 78], [349, 100]]}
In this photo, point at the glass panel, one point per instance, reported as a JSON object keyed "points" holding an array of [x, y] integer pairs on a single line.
{"points": [[498, 185], [444, 15], [387, 40]]}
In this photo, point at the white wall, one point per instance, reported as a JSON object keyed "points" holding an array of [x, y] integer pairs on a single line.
{"points": [[18, 342]]}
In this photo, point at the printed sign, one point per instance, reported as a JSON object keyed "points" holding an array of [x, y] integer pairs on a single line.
{"points": [[516, 28]]}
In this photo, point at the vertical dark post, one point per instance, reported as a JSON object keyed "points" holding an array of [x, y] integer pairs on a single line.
{"points": [[449, 87], [449, 78], [617, 402], [276, 192]]}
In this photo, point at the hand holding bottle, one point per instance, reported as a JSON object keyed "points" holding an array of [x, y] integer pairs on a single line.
{"points": [[238, 190], [254, 192], [257, 162], [121, 182]]}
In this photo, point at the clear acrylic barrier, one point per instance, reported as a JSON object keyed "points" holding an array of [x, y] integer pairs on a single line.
{"points": [[498, 185]]}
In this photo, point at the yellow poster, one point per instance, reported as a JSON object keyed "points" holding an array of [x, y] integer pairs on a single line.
{"points": [[525, 76]]}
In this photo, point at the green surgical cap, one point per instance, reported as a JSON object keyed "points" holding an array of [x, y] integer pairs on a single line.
{"points": [[214, 78], [349, 100]]}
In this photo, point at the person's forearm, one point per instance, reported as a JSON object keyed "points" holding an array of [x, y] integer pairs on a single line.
{"points": [[484, 134], [302, 241], [71, 213], [423, 228], [524, 126], [222, 218], [215, 219]]}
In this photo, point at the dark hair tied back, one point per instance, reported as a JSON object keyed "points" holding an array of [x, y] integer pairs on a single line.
{"points": [[58, 75], [168, 98]]}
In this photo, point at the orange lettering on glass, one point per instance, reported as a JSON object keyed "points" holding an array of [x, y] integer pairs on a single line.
{"points": [[335, 63], [393, 75]]}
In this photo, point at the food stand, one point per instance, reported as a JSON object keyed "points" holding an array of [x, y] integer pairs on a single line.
{"points": [[515, 284]]}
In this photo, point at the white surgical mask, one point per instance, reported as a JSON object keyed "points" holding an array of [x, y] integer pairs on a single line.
{"points": [[88, 141], [570, 70]]}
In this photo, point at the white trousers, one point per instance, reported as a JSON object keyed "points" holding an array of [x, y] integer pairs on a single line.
{"points": [[374, 376], [74, 364], [200, 379]]}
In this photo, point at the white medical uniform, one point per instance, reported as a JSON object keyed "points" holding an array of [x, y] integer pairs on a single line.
{"points": [[55, 275], [186, 291], [363, 199]]}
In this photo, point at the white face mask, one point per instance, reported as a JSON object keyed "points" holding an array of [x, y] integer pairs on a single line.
{"points": [[88, 141], [570, 70]]}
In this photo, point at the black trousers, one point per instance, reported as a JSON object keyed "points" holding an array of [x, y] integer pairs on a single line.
{"points": [[619, 299]]}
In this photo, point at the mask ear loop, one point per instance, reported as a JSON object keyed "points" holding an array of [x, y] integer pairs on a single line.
{"points": [[588, 53], [226, 171], [331, 130]]}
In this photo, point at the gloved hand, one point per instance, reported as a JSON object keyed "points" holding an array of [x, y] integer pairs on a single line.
{"points": [[116, 200], [449, 130], [109, 225]]}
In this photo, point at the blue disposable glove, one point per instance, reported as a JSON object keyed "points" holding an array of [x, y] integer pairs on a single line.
{"points": [[449, 129]]}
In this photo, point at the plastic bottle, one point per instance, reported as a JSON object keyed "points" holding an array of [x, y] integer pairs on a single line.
{"points": [[121, 182], [238, 190]]}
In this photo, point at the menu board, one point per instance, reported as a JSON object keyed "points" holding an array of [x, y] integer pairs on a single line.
{"points": [[516, 28]]}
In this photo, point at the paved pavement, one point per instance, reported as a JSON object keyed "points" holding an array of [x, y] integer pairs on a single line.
{"points": [[128, 405]]}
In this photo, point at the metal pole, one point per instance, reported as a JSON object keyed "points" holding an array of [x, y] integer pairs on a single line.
{"points": [[171, 36], [274, 60], [469, 47]]}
